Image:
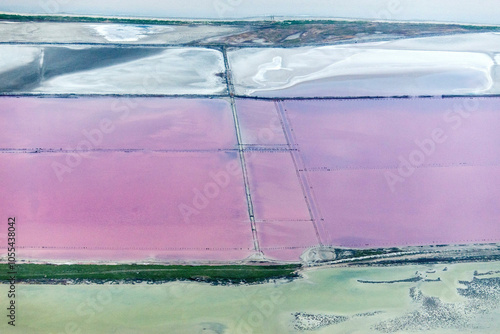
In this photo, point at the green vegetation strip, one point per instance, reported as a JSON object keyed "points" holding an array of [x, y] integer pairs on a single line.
{"points": [[77, 273]]}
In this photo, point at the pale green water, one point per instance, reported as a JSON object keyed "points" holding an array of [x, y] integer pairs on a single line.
{"points": [[266, 308]]}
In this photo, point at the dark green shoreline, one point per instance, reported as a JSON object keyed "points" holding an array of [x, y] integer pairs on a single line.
{"points": [[137, 273]]}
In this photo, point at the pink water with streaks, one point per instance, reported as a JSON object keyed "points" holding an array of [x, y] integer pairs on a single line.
{"points": [[374, 133], [433, 206], [452, 197], [275, 187], [119, 205], [124, 123], [125, 201], [286, 240], [259, 122]]}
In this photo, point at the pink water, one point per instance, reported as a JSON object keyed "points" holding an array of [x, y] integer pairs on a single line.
{"points": [[451, 193], [259, 123], [110, 204], [286, 240], [116, 123], [433, 206], [275, 187], [126, 200], [374, 133]]}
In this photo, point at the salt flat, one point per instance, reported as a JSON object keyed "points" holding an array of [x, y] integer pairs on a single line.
{"points": [[13, 56], [488, 42], [315, 170], [19, 67], [113, 70], [370, 69], [79, 32]]}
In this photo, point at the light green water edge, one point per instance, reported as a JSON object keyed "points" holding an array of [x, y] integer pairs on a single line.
{"points": [[191, 307]]}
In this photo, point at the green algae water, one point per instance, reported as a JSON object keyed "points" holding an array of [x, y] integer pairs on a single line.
{"points": [[456, 298]]}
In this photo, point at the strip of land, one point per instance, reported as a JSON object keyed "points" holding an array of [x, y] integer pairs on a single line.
{"points": [[135, 273]]}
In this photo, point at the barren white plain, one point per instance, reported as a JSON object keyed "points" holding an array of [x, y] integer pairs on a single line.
{"points": [[406, 67]]}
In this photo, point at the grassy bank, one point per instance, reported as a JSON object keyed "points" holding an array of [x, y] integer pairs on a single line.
{"points": [[47, 273]]}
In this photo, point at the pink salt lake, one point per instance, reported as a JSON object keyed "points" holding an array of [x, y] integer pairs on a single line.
{"points": [[121, 201]]}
